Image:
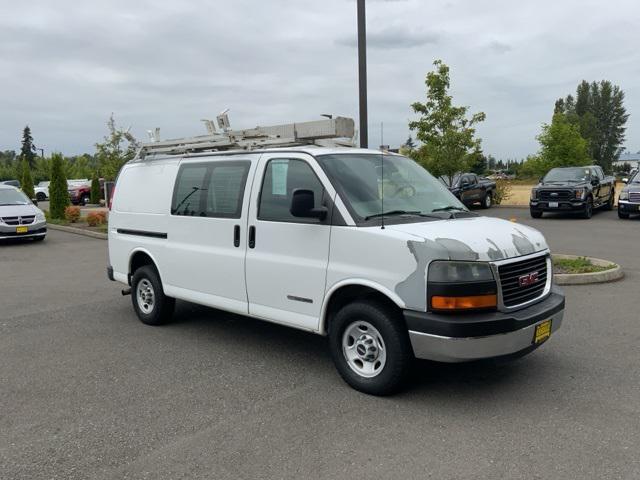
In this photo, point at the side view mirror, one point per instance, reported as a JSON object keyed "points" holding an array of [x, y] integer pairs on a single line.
{"points": [[625, 180], [595, 182], [35, 201], [302, 205]]}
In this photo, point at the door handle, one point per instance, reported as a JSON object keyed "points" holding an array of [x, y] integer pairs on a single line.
{"points": [[252, 236], [236, 236]]}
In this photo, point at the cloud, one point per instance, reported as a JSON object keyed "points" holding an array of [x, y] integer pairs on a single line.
{"points": [[392, 38], [499, 47]]}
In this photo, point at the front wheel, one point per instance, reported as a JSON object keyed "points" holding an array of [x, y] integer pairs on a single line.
{"points": [[150, 303], [488, 201], [623, 215], [41, 197], [370, 347], [588, 209], [610, 202], [535, 213]]}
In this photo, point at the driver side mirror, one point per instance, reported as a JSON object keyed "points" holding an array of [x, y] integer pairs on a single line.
{"points": [[302, 205]]}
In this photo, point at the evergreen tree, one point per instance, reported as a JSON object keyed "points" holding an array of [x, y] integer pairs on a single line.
{"points": [[95, 189], [26, 180], [28, 150], [598, 111], [58, 194]]}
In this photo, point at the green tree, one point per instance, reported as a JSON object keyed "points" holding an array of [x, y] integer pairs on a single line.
{"points": [[26, 180], [28, 150], [448, 137], [58, 194], [598, 110], [479, 167], [95, 189], [561, 145], [118, 147]]}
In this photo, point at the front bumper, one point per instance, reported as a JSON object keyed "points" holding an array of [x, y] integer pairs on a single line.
{"points": [[628, 207], [462, 338], [563, 206], [37, 229]]}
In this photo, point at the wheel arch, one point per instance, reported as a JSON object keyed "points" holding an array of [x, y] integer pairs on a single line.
{"points": [[348, 290], [140, 257]]}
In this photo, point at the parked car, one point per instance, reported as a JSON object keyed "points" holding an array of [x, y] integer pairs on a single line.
{"points": [[298, 237], [13, 183], [573, 189], [42, 191], [629, 199], [80, 191], [471, 189], [19, 217]]}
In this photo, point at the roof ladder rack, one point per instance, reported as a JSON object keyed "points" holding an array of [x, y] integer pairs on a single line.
{"points": [[337, 131]]}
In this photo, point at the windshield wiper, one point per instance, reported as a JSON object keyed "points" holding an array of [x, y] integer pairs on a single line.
{"points": [[391, 213], [448, 209]]}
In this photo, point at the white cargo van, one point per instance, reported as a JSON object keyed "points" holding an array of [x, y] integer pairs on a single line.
{"points": [[363, 246]]}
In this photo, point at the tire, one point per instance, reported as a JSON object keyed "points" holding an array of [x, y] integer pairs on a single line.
{"points": [[535, 213], [376, 331], [610, 202], [41, 197], [622, 215], [84, 200], [487, 201], [588, 209], [150, 303]]}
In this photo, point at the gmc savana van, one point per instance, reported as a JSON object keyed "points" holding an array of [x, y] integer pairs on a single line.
{"points": [[363, 246]]}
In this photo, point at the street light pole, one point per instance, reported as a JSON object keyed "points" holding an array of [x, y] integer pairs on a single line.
{"points": [[362, 74]]}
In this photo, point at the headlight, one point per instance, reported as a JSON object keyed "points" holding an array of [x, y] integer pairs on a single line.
{"points": [[580, 193], [534, 194], [624, 196], [455, 286], [40, 216], [448, 272]]}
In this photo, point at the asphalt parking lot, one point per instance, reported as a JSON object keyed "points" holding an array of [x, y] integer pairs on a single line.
{"points": [[87, 391]]}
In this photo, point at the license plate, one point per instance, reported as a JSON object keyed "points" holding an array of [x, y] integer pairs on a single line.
{"points": [[543, 331], [22, 229], [553, 204]]}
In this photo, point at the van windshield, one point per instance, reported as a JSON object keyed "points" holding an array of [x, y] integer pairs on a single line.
{"points": [[408, 188], [11, 196]]}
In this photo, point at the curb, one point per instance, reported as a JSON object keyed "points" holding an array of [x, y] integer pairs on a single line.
{"points": [[586, 278], [502, 205], [78, 231]]}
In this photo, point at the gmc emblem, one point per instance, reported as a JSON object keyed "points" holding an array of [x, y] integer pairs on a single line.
{"points": [[528, 279]]}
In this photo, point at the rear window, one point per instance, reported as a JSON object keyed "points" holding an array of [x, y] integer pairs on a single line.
{"points": [[213, 189]]}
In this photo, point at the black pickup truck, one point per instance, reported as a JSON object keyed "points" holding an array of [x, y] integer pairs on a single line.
{"points": [[471, 189], [573, 189]]}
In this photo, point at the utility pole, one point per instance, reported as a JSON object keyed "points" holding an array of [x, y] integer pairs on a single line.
{"points": [[362, 74]]}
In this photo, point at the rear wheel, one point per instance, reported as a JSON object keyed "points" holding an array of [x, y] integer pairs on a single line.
{"points": [[622, 214], [85, 200], [488, 201], [370, 347], [41, 197], [611, 201], [535, 213], [588, 209], [150, 303]]}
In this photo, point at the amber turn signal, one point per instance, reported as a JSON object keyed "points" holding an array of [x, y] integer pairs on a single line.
{"points": [[463, 303]]}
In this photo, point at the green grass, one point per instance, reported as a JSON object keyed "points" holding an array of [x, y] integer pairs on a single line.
{"points": [[578, 265]]}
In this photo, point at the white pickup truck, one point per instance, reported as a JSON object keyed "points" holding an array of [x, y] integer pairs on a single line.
{"points": [[363, 246]]}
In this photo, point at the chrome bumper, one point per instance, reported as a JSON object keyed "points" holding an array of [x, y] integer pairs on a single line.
{"points": [[463, 349]]}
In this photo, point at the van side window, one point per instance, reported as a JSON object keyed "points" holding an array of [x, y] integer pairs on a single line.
{"points": [[282, 176], [214, 189]]}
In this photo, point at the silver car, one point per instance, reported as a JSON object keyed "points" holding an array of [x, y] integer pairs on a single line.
{"points": [[19, 217]]}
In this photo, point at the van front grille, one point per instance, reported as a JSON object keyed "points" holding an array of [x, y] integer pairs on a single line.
{"points": [[523, 281], [19, 220]]}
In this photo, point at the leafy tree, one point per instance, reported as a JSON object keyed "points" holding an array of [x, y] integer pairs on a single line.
{"points": [[28, 150], [479, 167], [117, 149], [598, 110], [26, 181], [95, 189], [58, 194], [561, 145], [410, 144], [448, 138]]}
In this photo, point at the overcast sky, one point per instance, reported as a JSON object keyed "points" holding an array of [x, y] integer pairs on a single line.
{"points": [[66, 65]]}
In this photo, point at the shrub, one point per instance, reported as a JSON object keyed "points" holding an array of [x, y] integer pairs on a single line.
{"points": [[58, 194], [503, 191], [95, 190], [96, 218], [72, 214]]}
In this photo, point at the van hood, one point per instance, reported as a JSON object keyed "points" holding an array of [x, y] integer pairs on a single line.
{"points": [[477, 238], [17, 210]]}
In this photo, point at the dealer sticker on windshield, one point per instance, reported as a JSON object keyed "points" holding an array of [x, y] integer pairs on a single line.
{"points": [[543, 331]]}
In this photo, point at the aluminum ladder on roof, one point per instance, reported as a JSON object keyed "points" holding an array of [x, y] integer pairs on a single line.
{"points": [[338, 131]]}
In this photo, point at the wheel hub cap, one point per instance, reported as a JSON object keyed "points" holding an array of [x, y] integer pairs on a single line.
{"points": [[145, 296], [364, 349]]}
